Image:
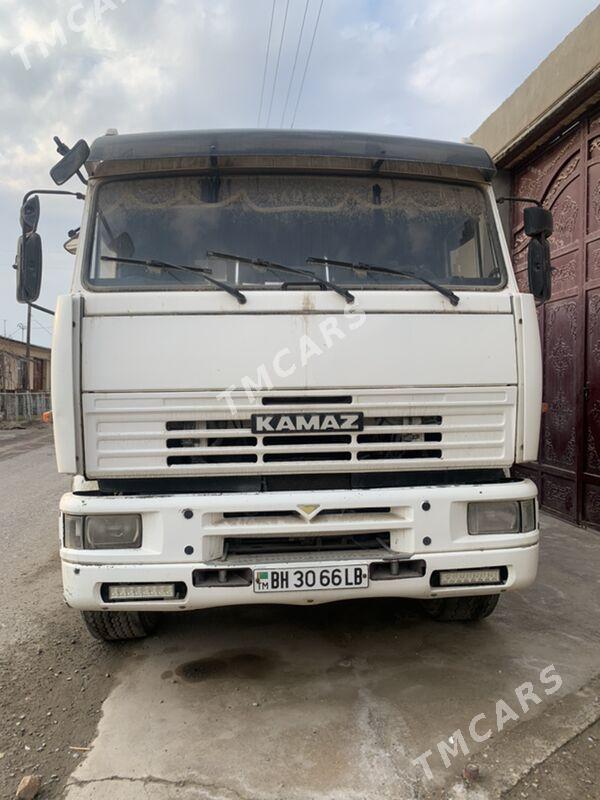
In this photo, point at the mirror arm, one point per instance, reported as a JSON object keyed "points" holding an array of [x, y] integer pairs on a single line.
{"points": [[26, 197], [61, 148], [501, 200], [78, 195], [32, 192], [41, 308]]}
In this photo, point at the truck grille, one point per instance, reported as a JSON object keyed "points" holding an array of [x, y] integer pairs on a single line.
{"points": [[231, 442], [280, 545], [195, 434]]}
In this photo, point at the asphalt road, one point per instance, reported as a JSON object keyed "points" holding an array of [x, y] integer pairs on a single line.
{"points": [[327, 703]]}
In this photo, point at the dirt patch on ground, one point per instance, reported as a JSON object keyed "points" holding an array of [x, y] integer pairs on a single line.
{"points": [[22, 425], [51, 694], [571, 773], [17, 438]]}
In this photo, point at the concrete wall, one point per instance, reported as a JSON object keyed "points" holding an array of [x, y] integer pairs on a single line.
{"points": [[574, 64]]}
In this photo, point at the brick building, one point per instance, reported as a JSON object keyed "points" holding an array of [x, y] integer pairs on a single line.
{"points": [[13, 366]]}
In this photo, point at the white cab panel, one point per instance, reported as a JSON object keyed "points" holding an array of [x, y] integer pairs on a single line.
{"points": [[530, 384], [210, 352], [65, 380]]}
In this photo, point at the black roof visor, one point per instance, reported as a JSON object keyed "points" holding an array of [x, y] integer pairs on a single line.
{"points": [[319, 150]]}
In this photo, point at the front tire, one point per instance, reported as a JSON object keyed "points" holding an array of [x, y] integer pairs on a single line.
{"points": [[118, 626], [461, 609]]}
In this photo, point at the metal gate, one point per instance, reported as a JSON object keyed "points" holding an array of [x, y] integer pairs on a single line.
{"points": [[567, 178]]}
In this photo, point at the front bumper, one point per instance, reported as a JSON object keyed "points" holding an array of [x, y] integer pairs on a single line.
{"points": [[424, 523]]}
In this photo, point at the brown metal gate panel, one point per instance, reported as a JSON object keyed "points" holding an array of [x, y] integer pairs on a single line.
{"points": [[590, 500], [566, 177]]}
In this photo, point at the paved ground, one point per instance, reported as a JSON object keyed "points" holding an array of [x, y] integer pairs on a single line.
{"points": [[333, 702], [573, 771], [52, 676]]}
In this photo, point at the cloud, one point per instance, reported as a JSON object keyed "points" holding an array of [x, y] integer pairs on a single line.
{"points": [[474, 59]]}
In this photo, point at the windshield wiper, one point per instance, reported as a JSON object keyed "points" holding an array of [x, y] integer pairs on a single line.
{"points": [[448, 293], [261, 262], [204, 273]]}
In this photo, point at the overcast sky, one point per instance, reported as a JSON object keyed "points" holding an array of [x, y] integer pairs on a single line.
{"points": [[432, 68]]}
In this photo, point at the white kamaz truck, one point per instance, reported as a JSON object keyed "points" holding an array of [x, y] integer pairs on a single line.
{"points": [[293, 367]]}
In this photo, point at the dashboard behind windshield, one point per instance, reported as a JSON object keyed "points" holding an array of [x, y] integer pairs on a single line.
{"points": [[442, 231]]}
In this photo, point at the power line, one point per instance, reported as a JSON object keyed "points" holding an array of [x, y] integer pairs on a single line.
{"points": [[289, 89], [43, 327], [310, 49], [264, 78], [287, 5]]}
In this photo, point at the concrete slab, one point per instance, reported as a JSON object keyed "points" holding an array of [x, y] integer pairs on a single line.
{"points": [[337, 701]]}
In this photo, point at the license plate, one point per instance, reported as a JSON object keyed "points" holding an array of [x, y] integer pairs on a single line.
{"points": [[303, 579]]}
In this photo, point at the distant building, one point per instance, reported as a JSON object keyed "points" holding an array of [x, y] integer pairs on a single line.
{"points": [[13, 366], [545, 140]]}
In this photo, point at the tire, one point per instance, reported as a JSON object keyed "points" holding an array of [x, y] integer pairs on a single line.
{"points": [[461, 609], [118, 626]]}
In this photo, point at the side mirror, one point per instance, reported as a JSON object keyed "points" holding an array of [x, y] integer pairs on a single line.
{"points": [[537, 221], [71, 162], [538, 226], [29, 268], [30, 214]]}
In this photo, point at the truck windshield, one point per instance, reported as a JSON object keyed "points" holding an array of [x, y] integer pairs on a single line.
{"points": [[442, 231]]}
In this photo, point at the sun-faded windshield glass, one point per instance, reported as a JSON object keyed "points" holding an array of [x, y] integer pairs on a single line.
{"points": [[439, 230]]}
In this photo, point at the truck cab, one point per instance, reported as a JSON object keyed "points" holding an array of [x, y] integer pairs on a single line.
{"points": [[293, 367]]}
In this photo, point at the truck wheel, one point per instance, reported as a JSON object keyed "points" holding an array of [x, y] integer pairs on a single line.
{"points": [[461, 609], [115, 626]]}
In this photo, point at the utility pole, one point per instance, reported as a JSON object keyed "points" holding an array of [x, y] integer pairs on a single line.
{"points": [[28, 349]]}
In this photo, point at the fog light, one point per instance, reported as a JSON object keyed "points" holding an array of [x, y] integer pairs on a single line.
{"points": [[113, 531], [141, 591], [469, 577], [501, 516]]}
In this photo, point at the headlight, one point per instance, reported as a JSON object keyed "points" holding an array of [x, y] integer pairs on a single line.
{"points": [[103, 532], [501, 516]]}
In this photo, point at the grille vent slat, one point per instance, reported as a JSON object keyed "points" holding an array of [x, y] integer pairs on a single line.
{"points": [[303, 400]]}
